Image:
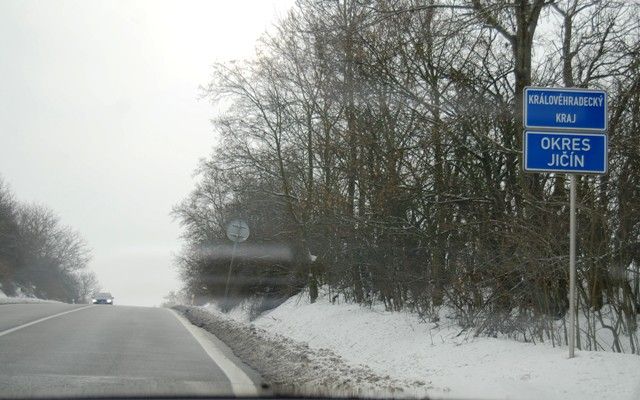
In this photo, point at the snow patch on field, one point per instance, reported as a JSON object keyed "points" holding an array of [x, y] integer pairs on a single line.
{"points": [[449, 363]]}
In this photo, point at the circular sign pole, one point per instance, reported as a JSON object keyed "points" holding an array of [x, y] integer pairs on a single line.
{"points": [[237, 231]]}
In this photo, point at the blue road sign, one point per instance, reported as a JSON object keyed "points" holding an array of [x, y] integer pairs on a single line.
{"points": [[565, 152], [565, 109]]}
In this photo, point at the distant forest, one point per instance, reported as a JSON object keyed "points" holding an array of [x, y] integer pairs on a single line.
{"points": [[39, 256], [381, 142]]}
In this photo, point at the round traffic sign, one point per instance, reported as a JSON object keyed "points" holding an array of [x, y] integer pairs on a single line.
{"points": [[237, 230]]}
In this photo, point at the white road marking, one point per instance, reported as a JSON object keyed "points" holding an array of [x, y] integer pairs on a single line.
{"points": [[8, 331], [241, 384]]}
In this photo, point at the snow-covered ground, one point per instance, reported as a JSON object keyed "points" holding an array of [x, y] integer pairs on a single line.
{"points": [[446, 363]]}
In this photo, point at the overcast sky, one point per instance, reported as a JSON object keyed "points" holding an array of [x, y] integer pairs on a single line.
{"points": [[100, 119]]}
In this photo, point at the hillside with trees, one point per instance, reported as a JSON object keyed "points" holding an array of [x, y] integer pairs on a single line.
{"points": [[39, 256], [380, 142]]}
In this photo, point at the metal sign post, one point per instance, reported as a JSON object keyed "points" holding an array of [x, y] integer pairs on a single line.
{"points": [[565, 132], [237, 231], [226, 286], [572, 265]]}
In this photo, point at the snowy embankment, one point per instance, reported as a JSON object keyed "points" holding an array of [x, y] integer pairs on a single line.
{"points": [[21, 298], [435, 360]]}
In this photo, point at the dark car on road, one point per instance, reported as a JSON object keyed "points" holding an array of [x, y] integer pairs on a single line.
{"points": [[103, 298]]}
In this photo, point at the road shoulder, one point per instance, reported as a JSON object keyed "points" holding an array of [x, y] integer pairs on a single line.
{"points": [[291, 368], [244, 381]]}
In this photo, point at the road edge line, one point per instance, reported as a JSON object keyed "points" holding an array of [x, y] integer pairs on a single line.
{"points": [[241, 384], [17, 328]]}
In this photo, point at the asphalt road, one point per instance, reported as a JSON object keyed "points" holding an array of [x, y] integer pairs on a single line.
{"points": [[64, 350]]}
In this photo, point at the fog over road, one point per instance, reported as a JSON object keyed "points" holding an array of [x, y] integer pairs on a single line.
{"points": [[76, 350]]}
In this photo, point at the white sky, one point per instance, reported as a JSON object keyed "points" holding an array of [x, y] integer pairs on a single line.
{"points": [[100, 119]]}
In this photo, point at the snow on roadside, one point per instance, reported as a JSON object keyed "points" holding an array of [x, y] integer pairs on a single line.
{"points": [[240, 313], [4, 299], [450, 365], [290, 368]]}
